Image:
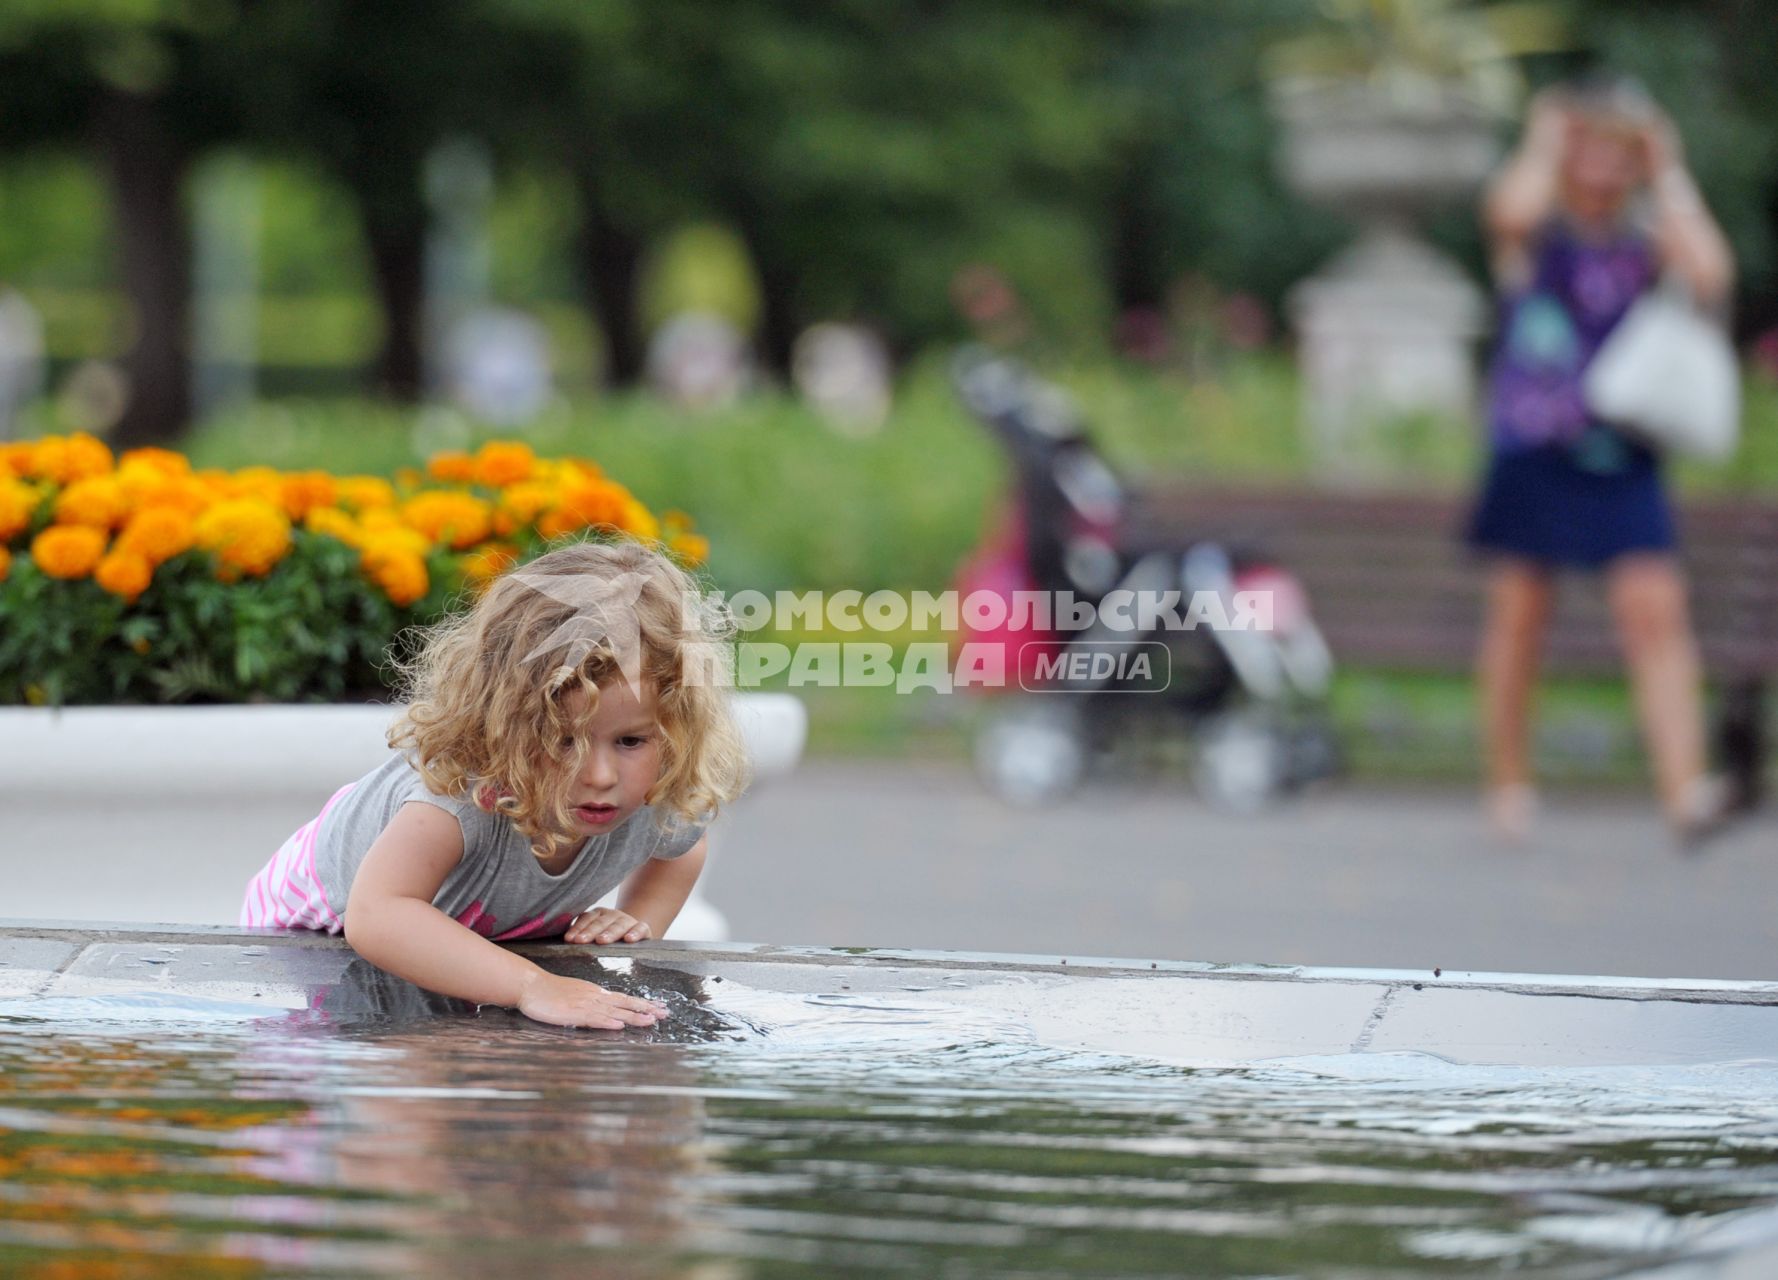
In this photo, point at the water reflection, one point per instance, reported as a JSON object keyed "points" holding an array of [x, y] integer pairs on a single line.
{"points": [[386, 1131]]}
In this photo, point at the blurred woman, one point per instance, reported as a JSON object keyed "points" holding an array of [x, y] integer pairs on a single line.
{"points": [[1592, 210]]}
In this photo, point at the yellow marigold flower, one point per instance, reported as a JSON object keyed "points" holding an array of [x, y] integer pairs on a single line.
{"points": [[639, 521], [165, 461], [521, 504], [499, 463], [264, 483], [140, 480], [487, 563], [363, 492], [15, 458], [305, 490], [124, 573], [674, 520], [691, 548], [18, 501], [5, 563], [458, 519], [453, 466], [247, 536], [407, 479], [68, 550], [65, 459], [158, 534], [335, 524], [399, 572], [96, 500], [397, 537]]}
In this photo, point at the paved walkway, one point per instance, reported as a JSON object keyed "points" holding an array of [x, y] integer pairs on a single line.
{"points": [[865, 855], [858, 854]]}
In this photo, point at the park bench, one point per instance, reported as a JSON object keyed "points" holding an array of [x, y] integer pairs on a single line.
{"points": [[1393, 587]]}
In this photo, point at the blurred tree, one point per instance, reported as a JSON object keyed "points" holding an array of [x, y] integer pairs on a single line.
{"points": [[123, 76], [366, 91], [863, 149], [1198, 191], [1709, 64]]}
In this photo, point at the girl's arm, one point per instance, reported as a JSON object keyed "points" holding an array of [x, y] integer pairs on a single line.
{"points": [[1523, 193], [647, 903], [391, 922], [1690, 241]]}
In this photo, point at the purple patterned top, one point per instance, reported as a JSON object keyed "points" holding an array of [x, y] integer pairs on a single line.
{"points": [[1552, 327]]}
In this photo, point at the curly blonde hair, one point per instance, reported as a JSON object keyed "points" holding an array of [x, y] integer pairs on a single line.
{"points": [[492, 710]]}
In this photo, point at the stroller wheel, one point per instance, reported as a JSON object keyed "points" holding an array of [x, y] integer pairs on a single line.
{"points": [[1242, 763], [1031, 755]]}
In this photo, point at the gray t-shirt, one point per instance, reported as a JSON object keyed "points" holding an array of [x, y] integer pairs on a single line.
{"points": [[498, 889]]}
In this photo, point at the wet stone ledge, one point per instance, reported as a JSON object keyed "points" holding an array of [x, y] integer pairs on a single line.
{"points": [[1171, 1011]]}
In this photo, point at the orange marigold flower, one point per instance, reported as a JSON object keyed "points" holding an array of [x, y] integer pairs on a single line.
{"points": [[458, 519], [68, 550], [247, 536], [364, 492], [65, 459], [5, 563], [407, 479], [585, 504], [124, 573], [453, 466], [18, 502], [158, 534], [335, 524], [399, 572], [489, 562], [304, 490], [691, 548], [15, 458], [165, 461], [521, 504], [96, 500], [499, 463], [188, 493]]}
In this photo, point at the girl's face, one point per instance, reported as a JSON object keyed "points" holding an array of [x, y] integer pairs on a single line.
{"points": [[623, 760], [1603, 164]]}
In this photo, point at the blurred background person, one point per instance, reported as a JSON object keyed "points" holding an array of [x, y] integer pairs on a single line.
{"points": [[1594, 209]]}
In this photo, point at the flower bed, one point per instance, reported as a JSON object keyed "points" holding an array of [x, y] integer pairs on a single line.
{"points": [[136, 578]]}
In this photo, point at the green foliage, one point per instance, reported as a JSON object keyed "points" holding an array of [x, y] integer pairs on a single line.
{"points": [[788, 503]]}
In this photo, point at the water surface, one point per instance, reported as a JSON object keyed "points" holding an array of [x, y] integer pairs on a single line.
{"points": [[758, 1133]]}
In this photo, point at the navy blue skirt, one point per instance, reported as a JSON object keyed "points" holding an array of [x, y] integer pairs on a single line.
{"points": [[1541, 504]]}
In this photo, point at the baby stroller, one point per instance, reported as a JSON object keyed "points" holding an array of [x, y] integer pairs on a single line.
{"points": [[1252, 700]]}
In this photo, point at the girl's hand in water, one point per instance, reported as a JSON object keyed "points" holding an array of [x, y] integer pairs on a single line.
{"points": [[607, 924], [570, 1002]]}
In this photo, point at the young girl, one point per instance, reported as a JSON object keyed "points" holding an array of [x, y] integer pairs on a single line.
{"points": [[568, 734]]}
